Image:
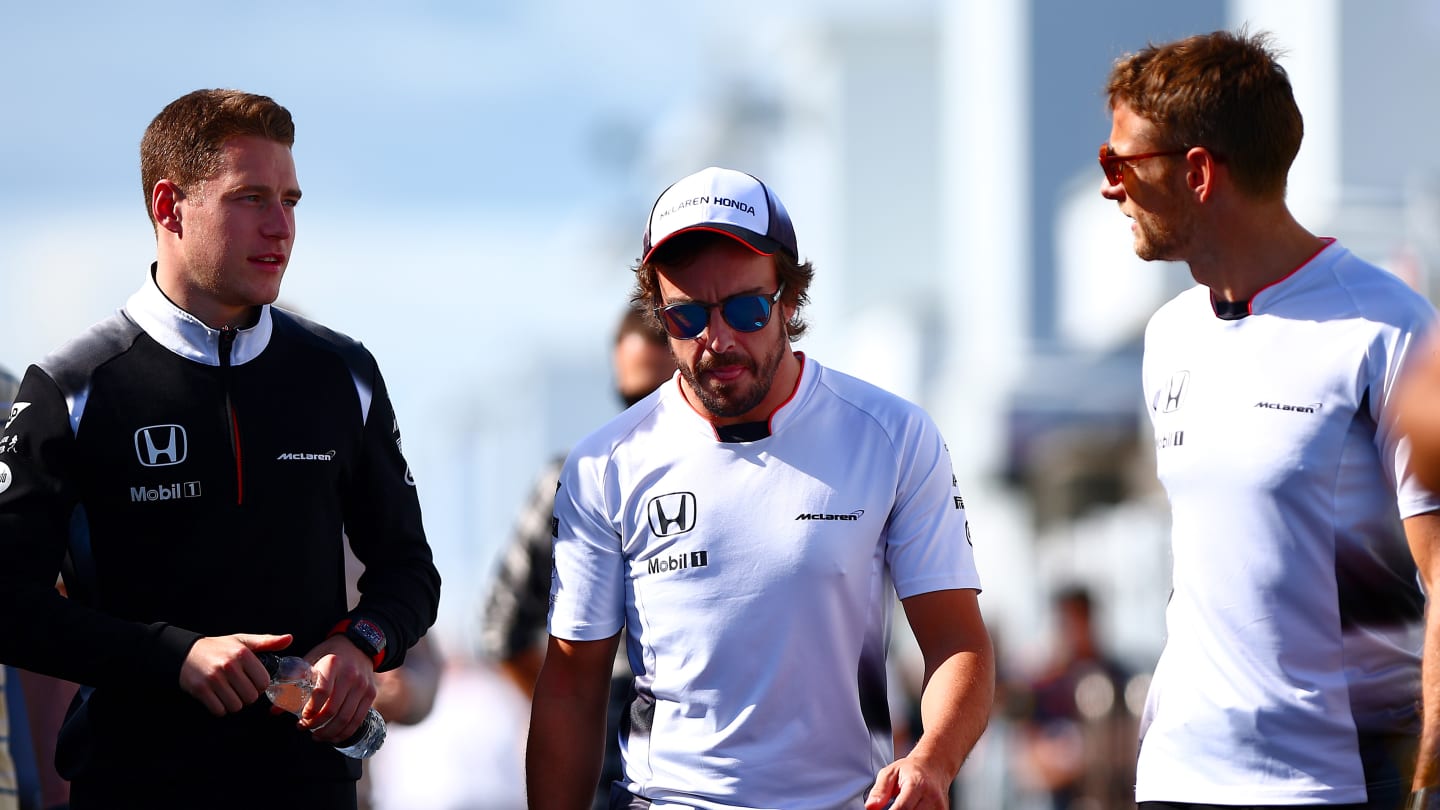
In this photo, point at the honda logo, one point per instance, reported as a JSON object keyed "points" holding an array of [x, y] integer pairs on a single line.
{"points": [[672, 514], [1168, 400], [161, 445]]}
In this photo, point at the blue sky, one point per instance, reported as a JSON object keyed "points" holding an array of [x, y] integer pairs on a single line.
{"points": [[475, 178]]}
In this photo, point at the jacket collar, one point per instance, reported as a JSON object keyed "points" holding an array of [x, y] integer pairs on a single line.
{"points": [[185, 335]]}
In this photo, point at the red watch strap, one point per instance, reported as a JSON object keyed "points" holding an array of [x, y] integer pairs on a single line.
{"points": [[340, 630]]}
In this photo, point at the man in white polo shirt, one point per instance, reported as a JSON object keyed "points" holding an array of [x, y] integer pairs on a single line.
{"points": [[742, 530], [1292, 668]]}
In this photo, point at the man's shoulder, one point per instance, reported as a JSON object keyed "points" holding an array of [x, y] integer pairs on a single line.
{"points": [[619, 429], [72, 365], [864, 396], [1376, 290], [291, 327]]}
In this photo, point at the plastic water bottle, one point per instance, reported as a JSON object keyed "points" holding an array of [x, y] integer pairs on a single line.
{"points": [[291, 682]]}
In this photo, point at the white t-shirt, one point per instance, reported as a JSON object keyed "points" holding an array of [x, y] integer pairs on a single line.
{"points": [[754, 580], [1296, 618]]}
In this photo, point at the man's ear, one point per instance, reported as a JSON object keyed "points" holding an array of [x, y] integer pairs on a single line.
{"points": [[165, 205], [1201, 171]]}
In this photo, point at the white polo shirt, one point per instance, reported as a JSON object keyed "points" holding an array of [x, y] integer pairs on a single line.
{"points": [[1296, 619], [754, 580]]}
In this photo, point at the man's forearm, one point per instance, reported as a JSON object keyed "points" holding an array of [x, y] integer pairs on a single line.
{"points": [[955, 708], [1422, 533], [1427, 763], [567, 730], [562, 759]]}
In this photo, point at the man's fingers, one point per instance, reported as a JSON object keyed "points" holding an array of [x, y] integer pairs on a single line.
{"points": [[883, 791], [211, 703], [263, 642], [342, 710], [230, 701]]}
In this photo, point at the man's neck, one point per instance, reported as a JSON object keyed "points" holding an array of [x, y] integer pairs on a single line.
{"points": [[1248, 252], [213, 315]]}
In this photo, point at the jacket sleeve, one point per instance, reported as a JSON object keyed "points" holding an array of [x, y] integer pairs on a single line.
{"points": [[40, 521], [400, 587]]}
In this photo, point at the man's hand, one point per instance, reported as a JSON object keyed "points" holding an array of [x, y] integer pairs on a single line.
{"points": [[913, 783], [344, 690], [224, 675]]}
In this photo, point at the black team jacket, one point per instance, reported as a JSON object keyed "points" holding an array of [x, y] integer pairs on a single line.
{"points": [[191, 482]]}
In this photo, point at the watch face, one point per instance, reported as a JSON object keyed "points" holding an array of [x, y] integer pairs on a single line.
{"points": [[367, 630]]}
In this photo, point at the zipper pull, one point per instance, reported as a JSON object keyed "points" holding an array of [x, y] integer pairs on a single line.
{"points": [[227, 342]]}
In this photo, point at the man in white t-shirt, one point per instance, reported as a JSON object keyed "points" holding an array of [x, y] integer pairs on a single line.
{"points": [[1291, 671], [744, 531]]}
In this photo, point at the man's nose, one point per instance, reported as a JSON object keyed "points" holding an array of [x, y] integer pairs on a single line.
{"points": [[1112, 191]]}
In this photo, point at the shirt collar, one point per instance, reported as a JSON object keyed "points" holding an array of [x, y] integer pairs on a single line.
{"points": [[185, 335]]}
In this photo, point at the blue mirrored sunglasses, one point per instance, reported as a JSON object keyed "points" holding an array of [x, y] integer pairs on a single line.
{"points": [[743, 313]]}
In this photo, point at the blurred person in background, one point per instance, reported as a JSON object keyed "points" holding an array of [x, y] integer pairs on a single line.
{"points": [[405, 695], [193, 463], [1077, 735], [512, 630], [1292, 664], [743, 531]]}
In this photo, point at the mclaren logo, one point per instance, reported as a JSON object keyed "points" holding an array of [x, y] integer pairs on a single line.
{"points": [[330, 456], [826, 516], [1277, 406], [161, 445], [671, 514]]}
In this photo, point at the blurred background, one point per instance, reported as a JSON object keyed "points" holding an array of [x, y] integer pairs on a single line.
{"points": [[477, 176]]}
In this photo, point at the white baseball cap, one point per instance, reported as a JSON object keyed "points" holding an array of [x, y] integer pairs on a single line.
{"points": [[722, 201]]}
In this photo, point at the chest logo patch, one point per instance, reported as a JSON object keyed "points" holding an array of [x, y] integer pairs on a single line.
{"points": [[671, 514], [855, 515], [15, 410], [161, 445], [1169, 398], [326, 456], [1280, 406]]}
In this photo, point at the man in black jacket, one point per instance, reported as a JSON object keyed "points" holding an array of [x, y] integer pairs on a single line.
{"points": [[192, 465]]}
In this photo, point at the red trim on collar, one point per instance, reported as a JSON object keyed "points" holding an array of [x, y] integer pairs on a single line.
{"points": [[1325, 242], [769, 420]]}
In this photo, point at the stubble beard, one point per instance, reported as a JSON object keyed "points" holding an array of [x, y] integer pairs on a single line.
{"points": [[1164, 238], [1156, 242], [725, 400]]}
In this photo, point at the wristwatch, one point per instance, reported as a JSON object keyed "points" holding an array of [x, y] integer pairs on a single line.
{"points": [[366, 636], [1425, 798]]}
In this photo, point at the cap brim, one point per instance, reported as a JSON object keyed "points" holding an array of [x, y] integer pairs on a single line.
{"points": [[763, 245]]}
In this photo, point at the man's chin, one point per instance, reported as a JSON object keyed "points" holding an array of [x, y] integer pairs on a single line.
{"points": [[722, 402]]}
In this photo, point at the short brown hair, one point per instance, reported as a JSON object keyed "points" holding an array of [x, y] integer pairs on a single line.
{"points": [[1224, 91], [681, 250], [185, 141]]}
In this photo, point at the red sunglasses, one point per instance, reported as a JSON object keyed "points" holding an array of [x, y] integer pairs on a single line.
{"points": [[1114, 165]]}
